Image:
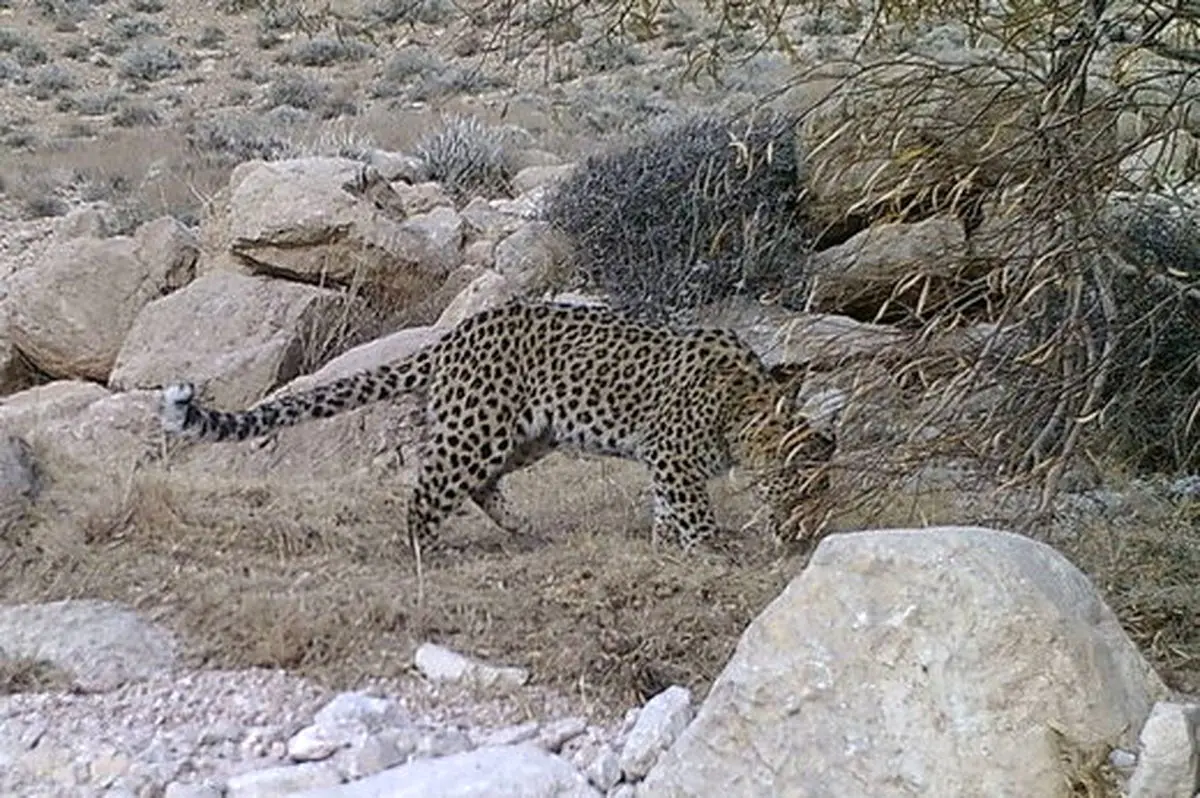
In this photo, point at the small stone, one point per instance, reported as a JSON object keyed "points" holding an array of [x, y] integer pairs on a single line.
{"points": [[354, 708], [622, 791], [605, 770], [107, 768], [380, 752], [554, 735], [280, 781], [1169, 764], [444, 742], [313, 743], [658, 725], [440, 664], [179, 789], [397, 166], [1122, 759], [511, 735], [220, 732]]}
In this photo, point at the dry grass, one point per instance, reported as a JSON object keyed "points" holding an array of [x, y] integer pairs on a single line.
{"points": [[317, 579], [28, 675]]}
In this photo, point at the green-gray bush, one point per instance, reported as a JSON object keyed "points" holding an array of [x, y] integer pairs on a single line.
{"points": [[130, 28], [403, 68], [240, 137], [97, 103], [706, 208], [323, 51], [150, 62], [296, 90], [409, 12], [51, 79], [137, 115], [467, 158]]}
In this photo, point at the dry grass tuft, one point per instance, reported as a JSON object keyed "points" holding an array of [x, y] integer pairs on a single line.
{"points": [[28, 675]]}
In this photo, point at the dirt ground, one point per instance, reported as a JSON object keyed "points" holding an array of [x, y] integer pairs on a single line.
{"points": [[315, 577]]}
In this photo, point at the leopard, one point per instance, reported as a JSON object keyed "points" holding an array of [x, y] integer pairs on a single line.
{"points": [[508, 385]]}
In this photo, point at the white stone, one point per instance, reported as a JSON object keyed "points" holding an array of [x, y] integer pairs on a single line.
{"points": [[178, 789], [277, 782], [353, 708], [511, 735], [380, 751], [555, 734], [313, 743], [897, 658], [440, 664], [512, 771], [605, 770], [1169, 764], [1122, 759], [658, 725]]}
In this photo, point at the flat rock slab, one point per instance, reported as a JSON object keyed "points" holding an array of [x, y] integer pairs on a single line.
{"points": [[103, 645], [510, 771]]}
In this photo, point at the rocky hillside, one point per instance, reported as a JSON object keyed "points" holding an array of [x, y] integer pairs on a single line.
{"points": [[983, 237]]}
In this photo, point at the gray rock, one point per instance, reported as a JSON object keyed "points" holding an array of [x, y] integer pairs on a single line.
{"points": [[555, 734], [658, 725], [103, 645], [19, 482], [1169, 764], [514, 771], [178, 789], [277, 782], [894, 652], [605, 770], [440, 664], [380, 751], [394, 166], [355, 708]]}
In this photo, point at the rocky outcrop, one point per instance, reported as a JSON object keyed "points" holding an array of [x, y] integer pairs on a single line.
{"points": [[69, 313], [237, 336]]}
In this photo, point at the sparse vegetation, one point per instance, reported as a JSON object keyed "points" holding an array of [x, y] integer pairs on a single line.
{"points": [[239, 137], [98, 103], [467, 157], [26, 675], [211, 37], [403, 68], [410, 12], [150, 62], [323, 52], [49, 80], [137, 114], [44, 205], [296, 90], [133, 28]]}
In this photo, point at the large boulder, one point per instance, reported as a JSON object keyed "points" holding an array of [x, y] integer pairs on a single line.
{"points": [[77, 428], [239, 336], [322, 220], [69, 313], [945, 661]]}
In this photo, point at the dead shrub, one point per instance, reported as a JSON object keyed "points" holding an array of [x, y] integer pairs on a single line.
{"points": [[699, 210]]}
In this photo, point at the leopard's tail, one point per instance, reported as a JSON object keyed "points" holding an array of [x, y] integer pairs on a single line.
{"points": [[181, 415]]}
